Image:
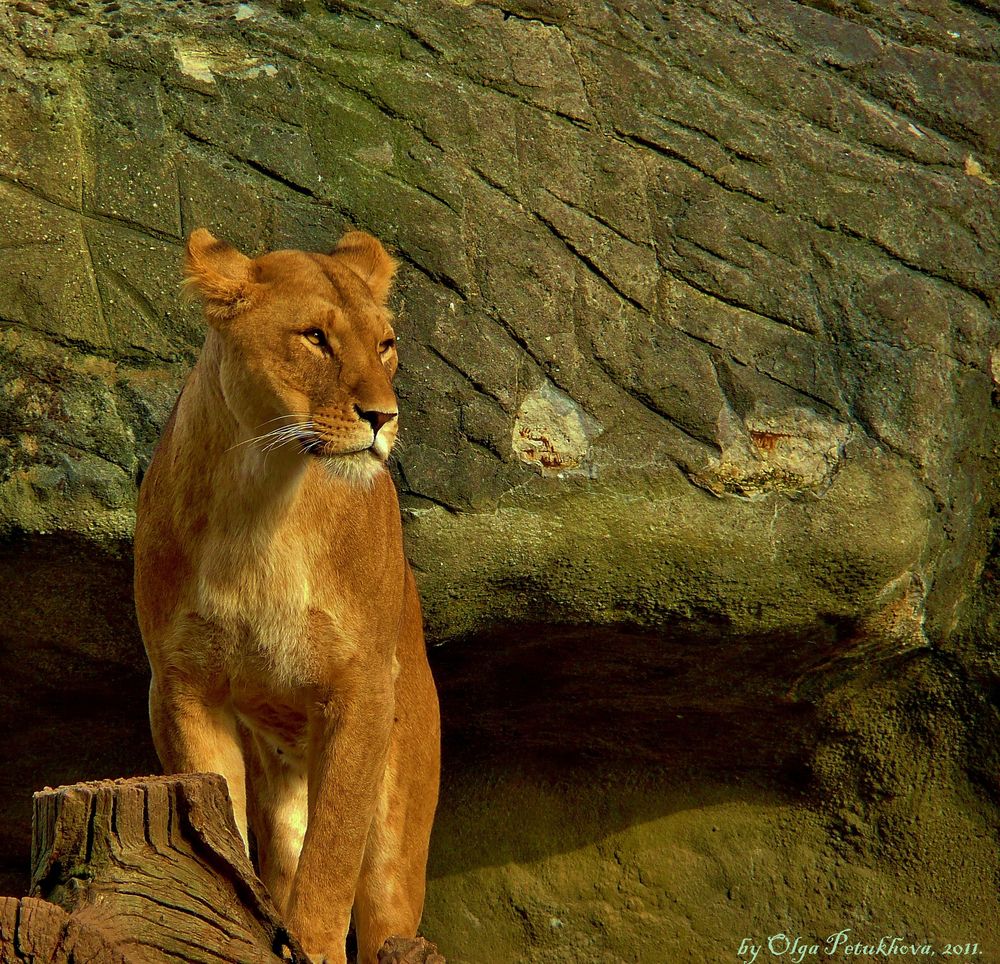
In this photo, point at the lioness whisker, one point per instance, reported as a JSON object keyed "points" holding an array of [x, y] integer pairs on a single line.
{"points": [[301, 431], [259, 438], [276, 441], [250, 441], [291, 415], [288, 415]]}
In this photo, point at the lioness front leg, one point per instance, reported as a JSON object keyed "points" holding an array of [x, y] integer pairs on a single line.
{"points": [[279, 807], [390, 895], [348, 744], [193, 734]]}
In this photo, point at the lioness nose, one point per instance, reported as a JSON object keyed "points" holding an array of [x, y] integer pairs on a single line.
{"points": [[375, 419]]}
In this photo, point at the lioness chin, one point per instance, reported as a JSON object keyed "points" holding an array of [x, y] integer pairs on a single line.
{"points": [[278, 611]]}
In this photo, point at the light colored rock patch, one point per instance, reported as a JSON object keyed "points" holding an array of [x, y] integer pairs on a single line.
{"points": [[196, 64], [552, 432], [202, 66], [789, 451], [899, 616]]}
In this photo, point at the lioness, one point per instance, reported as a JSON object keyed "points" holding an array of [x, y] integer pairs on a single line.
{"points": [[277, 608]]}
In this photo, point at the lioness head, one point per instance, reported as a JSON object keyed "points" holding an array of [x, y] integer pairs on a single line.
{"points": [[307, 350]]}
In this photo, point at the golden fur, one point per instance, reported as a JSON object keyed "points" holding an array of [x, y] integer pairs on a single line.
{"points": [[277, 608]]}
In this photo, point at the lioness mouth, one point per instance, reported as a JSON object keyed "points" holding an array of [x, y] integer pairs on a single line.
{"points": [[321, 454], [359, 466]]}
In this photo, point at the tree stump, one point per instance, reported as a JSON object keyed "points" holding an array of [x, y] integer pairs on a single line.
{"points": [[32, 931], [147, 871], [158, 863]]}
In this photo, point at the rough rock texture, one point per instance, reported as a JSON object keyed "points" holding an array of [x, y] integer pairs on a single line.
{"points": [[698, 318]]}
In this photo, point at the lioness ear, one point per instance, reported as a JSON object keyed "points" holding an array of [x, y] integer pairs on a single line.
{"points": [[220, 274], [366, 257]]}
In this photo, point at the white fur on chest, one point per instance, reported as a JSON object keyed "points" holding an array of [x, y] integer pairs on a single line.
{"points": [[257, 590]]}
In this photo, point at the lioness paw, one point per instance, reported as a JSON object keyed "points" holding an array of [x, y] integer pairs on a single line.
{"points": [[327, 957], [409, 950]]}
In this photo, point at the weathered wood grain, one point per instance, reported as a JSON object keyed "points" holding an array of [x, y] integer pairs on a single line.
{"points": [[35, 931], [150, 870], [158, 863]]}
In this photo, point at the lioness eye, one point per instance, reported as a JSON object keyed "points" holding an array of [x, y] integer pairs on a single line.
{"points": [[387, 346], [315, 337]]}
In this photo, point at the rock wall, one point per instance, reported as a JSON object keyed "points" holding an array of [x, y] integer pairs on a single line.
{"points": [[654, 258], [698, 327]]}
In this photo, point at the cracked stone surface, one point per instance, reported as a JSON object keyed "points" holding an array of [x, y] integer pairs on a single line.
{"points": [[751, 246], [698, 317]]}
